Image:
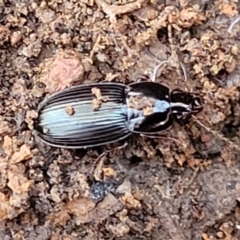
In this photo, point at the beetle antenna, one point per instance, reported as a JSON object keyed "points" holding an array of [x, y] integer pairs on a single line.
{"points": [[100, 158], [161, 137], [184, 71], [153, 78], [154, 75], [217, 134], [233, 24]]}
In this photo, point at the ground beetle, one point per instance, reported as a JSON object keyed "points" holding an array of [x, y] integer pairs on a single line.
{"points": [[97, 114]]}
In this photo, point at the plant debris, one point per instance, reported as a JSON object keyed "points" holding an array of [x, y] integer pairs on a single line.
{"points": [[97, 102], [69, 110], [142, 103]]}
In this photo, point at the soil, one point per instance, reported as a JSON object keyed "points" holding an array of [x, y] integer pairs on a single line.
{"points": [[185, 187]]}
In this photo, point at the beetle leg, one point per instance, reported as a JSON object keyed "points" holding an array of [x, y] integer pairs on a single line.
{"points": [[153, 78], [161, 136], [155, 70], [184, 71], [100, 158]]}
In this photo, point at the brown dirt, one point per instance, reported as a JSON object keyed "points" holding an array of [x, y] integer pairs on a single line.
{"points": [[187, 188]]}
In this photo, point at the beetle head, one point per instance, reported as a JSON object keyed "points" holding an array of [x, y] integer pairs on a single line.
{"points": [[185, 105]]}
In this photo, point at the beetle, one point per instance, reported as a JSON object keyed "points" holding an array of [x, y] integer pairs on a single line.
{"points": [[97, 114]]}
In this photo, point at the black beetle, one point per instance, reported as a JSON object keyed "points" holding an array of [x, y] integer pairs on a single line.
{"points": [[97, 114]]}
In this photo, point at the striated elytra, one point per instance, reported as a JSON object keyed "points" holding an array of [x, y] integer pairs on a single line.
{"points": [[97, 114]]}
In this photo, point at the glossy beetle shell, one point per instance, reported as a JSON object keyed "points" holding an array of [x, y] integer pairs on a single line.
{"points": [[142, 107], [86, 127]]}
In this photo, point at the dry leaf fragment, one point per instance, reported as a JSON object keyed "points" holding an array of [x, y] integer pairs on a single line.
{"points": [[205, 236], [183, 3], [69, 110], [55, 194], [4, 34], [4, 207], [19, 87], [147, 111], [96, 103], [108, 172], [60, 218], [230, 9], [230, 66], [130, 201], [8, 145], [146, 13], [234, 50], [181, 158], [5, 127], [6, 210], [104, 209], [23, 154], [217, 117], [38, 89], [227, 228], [187, 16], [113, 10], [17, 182], [110, 76], [151, 224], [205, 137], [30, 116], [214, 69], [15, 38], [17, 200], [97, 92], [119, 230], [80, 207], [85, 210], [55, 236], [142, 103]]}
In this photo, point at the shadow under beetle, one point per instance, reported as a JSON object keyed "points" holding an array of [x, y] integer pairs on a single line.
{"points": [[142, 107]]}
